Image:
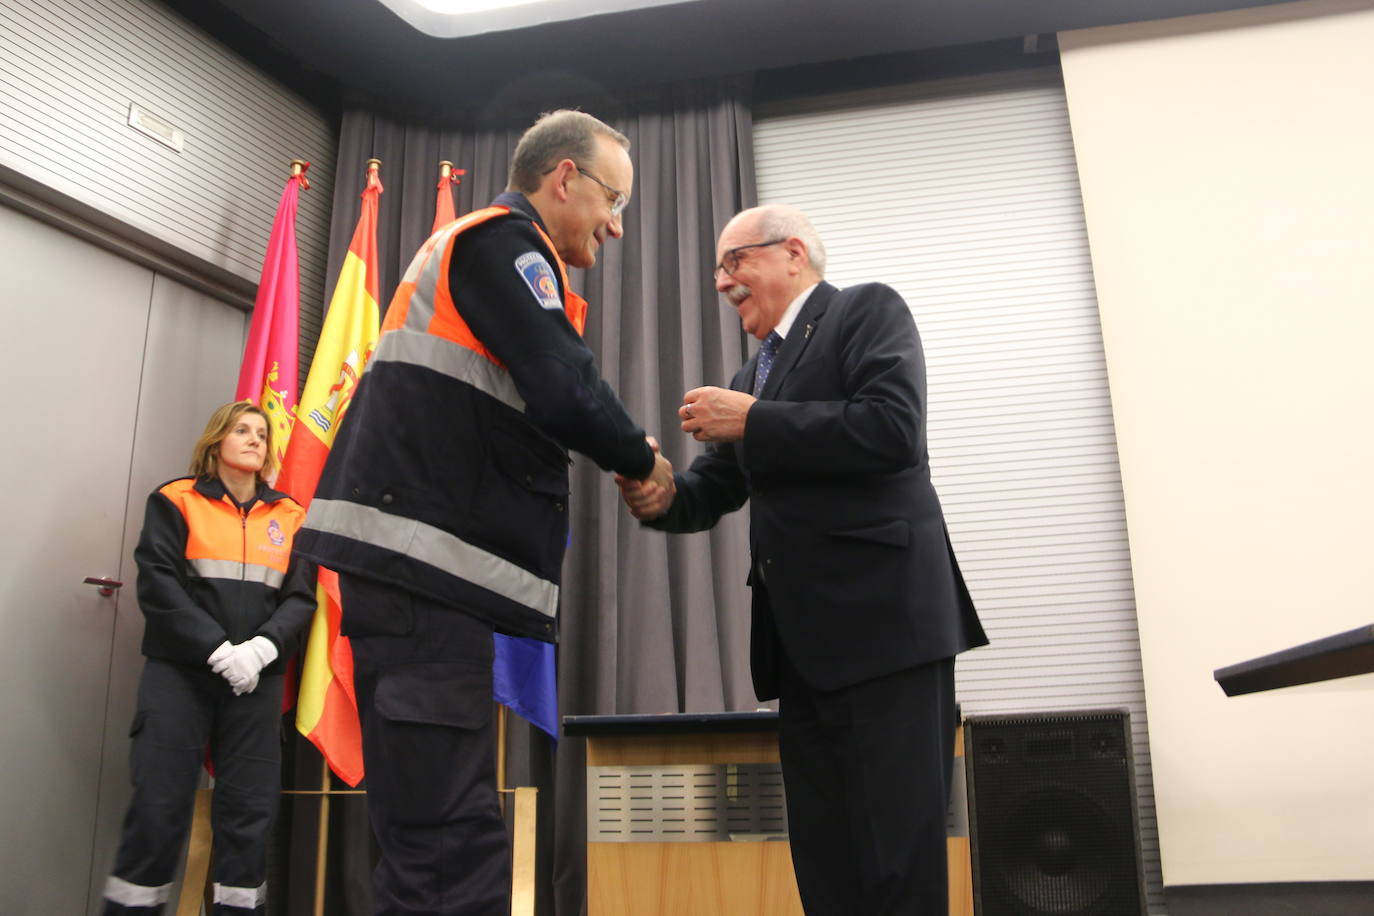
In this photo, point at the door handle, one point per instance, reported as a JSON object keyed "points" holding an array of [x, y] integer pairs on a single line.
{"points": [[104, 584]]}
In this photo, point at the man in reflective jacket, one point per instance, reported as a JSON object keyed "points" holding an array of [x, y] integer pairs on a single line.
{"points": [[443, 505]]}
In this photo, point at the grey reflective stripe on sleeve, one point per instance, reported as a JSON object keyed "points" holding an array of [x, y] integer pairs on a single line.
{"points": [[233, 569], [448, 358], [248, 898], [435, 547], [124, 893]]}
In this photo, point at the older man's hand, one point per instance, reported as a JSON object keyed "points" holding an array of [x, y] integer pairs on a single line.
{"points": [[651, 497], [715, 414]]}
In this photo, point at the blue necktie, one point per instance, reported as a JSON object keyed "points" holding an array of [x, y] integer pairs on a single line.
{"points": [[767, 350]]}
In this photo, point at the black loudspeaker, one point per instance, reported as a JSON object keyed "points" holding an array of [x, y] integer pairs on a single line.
{"points": [[1053, 826]]}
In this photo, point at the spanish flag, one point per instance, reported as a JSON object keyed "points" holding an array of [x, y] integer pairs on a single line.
{"points": [[327, 710], [268, 376]]}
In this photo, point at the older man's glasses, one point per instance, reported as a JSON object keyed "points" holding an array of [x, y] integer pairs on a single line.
{"points": [[731, 261], [621, 199]]}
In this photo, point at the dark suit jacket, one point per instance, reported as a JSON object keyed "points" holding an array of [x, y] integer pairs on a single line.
{"points": [[845, 527]]}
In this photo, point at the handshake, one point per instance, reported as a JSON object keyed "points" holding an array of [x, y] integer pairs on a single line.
{"points": [[241, 664], [710, 415]]}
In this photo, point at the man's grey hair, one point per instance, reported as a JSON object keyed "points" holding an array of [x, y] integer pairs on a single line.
{"points": [[557, 135], [780, 221]]}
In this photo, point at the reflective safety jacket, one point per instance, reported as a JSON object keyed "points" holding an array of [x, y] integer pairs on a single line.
{"points": [[209, 571], [449, 475]]}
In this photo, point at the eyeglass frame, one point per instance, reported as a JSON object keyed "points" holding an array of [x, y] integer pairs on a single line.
{"points": [[622, 200], [733, 255]]}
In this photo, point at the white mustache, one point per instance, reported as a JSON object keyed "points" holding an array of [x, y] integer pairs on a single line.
{"points": [[738, 294]]}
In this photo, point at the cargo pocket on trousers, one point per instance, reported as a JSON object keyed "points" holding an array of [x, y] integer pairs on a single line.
{"points": [[433, 720]]}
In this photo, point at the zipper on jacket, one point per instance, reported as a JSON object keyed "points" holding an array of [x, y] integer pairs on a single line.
{"points": [[243, 565]]}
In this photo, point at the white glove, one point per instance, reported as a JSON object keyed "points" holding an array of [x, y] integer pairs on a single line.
{"points": [[218, 657], [245, 663]]}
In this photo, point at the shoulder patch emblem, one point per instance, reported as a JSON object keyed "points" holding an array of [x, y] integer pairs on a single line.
{"points": [[539, 277]]}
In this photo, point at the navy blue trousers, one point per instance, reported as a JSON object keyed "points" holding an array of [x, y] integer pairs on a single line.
{"points": [[422, 672], [181, 709], [867, 772]]}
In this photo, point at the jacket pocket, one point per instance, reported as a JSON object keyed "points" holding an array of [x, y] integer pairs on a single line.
{"points": [[521, 509], [896, 533], [532, 465]]}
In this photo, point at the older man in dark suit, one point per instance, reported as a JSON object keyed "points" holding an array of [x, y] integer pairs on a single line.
{"points": [[858, 603]]}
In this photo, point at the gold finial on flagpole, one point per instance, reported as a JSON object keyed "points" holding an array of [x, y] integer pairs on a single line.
{"points": [[298, 168], [374, 164], [445, 169]]}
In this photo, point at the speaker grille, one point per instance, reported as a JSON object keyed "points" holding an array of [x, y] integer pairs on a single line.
{"points": [[1052, 815]]}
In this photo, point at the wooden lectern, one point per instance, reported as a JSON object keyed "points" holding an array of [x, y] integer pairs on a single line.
{"points": [[685, 815]]}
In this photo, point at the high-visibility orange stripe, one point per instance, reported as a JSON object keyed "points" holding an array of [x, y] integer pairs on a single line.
{"points": [[209, 538], [447, 322]]}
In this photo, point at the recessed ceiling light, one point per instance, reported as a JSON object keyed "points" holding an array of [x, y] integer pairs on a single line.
{"points": [[459, 7], [462, 18]]}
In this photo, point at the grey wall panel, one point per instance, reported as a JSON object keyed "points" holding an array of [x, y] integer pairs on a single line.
{"points": [[963, 195], [69, 70]]}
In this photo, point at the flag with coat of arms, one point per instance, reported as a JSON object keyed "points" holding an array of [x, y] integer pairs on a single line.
{"points": [[269, 372], [327, 708]]}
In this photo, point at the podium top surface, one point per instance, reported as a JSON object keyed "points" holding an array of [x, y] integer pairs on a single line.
{"points": [[1342, 655], [678, 723]]}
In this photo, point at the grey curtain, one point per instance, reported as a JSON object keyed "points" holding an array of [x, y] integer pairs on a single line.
{"points": [[650, 624]]}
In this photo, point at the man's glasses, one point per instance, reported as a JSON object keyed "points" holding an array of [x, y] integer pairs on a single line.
{"points": [[730, 262], [621, 198]]}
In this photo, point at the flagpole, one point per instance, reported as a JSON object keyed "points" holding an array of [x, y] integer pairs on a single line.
{"points": [[501, 755], [322, 840], [325, 711], [445, 170]]}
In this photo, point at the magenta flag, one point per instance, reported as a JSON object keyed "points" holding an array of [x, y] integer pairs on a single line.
{"points": [[269, 374]]}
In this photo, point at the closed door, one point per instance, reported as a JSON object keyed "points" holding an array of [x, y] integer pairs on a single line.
{"points": [[75, 319], [86, 336]]}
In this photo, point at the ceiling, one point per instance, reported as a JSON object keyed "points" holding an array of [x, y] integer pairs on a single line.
{"points": [[336, 49]]}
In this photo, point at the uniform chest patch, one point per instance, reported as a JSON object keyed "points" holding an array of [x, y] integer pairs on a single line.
{"points": [[539, 277], [274, 533]]}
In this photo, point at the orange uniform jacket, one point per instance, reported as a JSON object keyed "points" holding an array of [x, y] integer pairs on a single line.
{"points": [[209, 572]]}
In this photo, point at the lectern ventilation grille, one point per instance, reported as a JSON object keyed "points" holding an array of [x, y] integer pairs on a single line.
{"points": [[699, 803]]}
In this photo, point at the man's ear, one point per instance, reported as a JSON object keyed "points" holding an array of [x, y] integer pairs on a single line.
{"points": [[559, 177]]}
